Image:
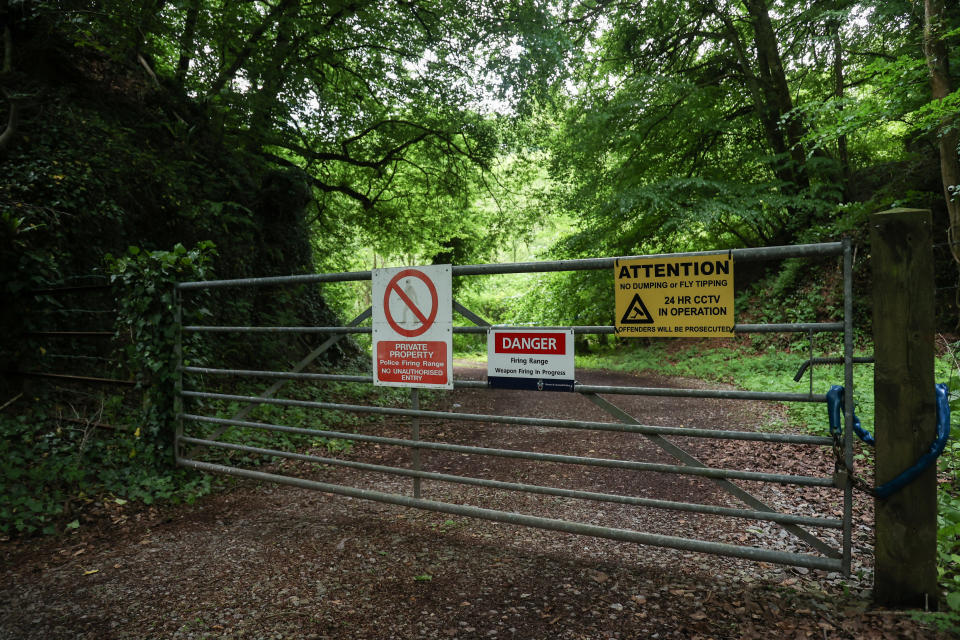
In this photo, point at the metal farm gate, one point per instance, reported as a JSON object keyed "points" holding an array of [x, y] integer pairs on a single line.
{"points": [[198, 432]]}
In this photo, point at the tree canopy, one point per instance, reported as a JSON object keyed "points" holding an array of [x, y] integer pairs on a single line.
{"points": [[450, 129], [732, 123]]}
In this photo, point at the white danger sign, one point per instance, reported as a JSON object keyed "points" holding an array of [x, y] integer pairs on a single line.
{"points": [[413, 326], [533, 359]]}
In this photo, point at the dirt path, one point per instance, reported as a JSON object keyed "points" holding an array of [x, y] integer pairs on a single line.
{"points": [[262, 561]]}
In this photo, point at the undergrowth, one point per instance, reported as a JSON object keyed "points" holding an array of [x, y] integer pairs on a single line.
{"points": [[52, 469], [315, 420]]}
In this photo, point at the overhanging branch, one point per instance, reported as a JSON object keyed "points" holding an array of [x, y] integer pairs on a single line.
{"points": [[365, 201]]}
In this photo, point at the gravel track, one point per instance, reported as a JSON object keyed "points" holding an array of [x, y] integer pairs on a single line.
{"points": [[267, 561]]}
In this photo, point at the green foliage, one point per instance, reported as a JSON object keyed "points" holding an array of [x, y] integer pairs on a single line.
{"points": [[740, 363], [83, 163], [560, 299], [676, 137], [297, 417], [948, 495], [663, 149], [35, 478], [537, 298], [52, 470], [948, 541], [337, 136], [147, 323], [945, 621], [799, 292], [379, 107]]}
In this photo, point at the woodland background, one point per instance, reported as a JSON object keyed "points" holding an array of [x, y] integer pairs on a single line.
{"points": [[144, 142]]}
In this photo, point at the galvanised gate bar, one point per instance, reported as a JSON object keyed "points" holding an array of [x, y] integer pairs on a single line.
{"points": [[827, 557]]}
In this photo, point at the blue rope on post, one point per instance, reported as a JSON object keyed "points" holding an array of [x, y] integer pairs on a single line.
{"points": [[835, 412], [835, 408]]}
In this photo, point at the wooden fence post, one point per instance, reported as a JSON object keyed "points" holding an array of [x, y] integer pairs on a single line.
{"points": [[905, 408]]}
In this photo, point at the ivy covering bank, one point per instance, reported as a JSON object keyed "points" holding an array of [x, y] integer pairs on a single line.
{"points": [[147, 326]]}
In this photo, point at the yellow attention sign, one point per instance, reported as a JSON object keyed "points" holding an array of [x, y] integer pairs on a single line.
{"points": [[674, 297]]}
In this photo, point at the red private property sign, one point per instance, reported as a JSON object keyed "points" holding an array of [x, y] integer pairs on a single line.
{"points": [[413, 326], [530, 359], [417, 363]]}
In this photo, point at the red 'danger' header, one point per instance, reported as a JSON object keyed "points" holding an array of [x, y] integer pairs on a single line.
{"points": [[528, 342]]}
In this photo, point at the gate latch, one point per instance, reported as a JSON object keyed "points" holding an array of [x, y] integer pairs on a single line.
{"points": [[840, 478]]}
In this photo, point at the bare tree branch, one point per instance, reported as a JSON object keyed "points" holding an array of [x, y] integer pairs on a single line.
{"points": [[146, 65]]}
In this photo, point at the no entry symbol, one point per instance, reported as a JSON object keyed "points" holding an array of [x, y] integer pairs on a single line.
{"points": [[410, 303]]}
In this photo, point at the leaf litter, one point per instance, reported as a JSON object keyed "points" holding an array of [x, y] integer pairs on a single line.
{"points": [[261, 561]]}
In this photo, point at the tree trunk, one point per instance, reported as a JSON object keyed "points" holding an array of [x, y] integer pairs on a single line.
{"points": [[6, 136], [843, 154], [938, 64], [6, 67], [770, 93], [785, 137], [187, 39]]}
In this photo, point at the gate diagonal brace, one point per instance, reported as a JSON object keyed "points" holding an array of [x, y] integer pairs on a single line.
{"points": [[276, 386], [724, 484], [684, 457], [470, 315]]}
